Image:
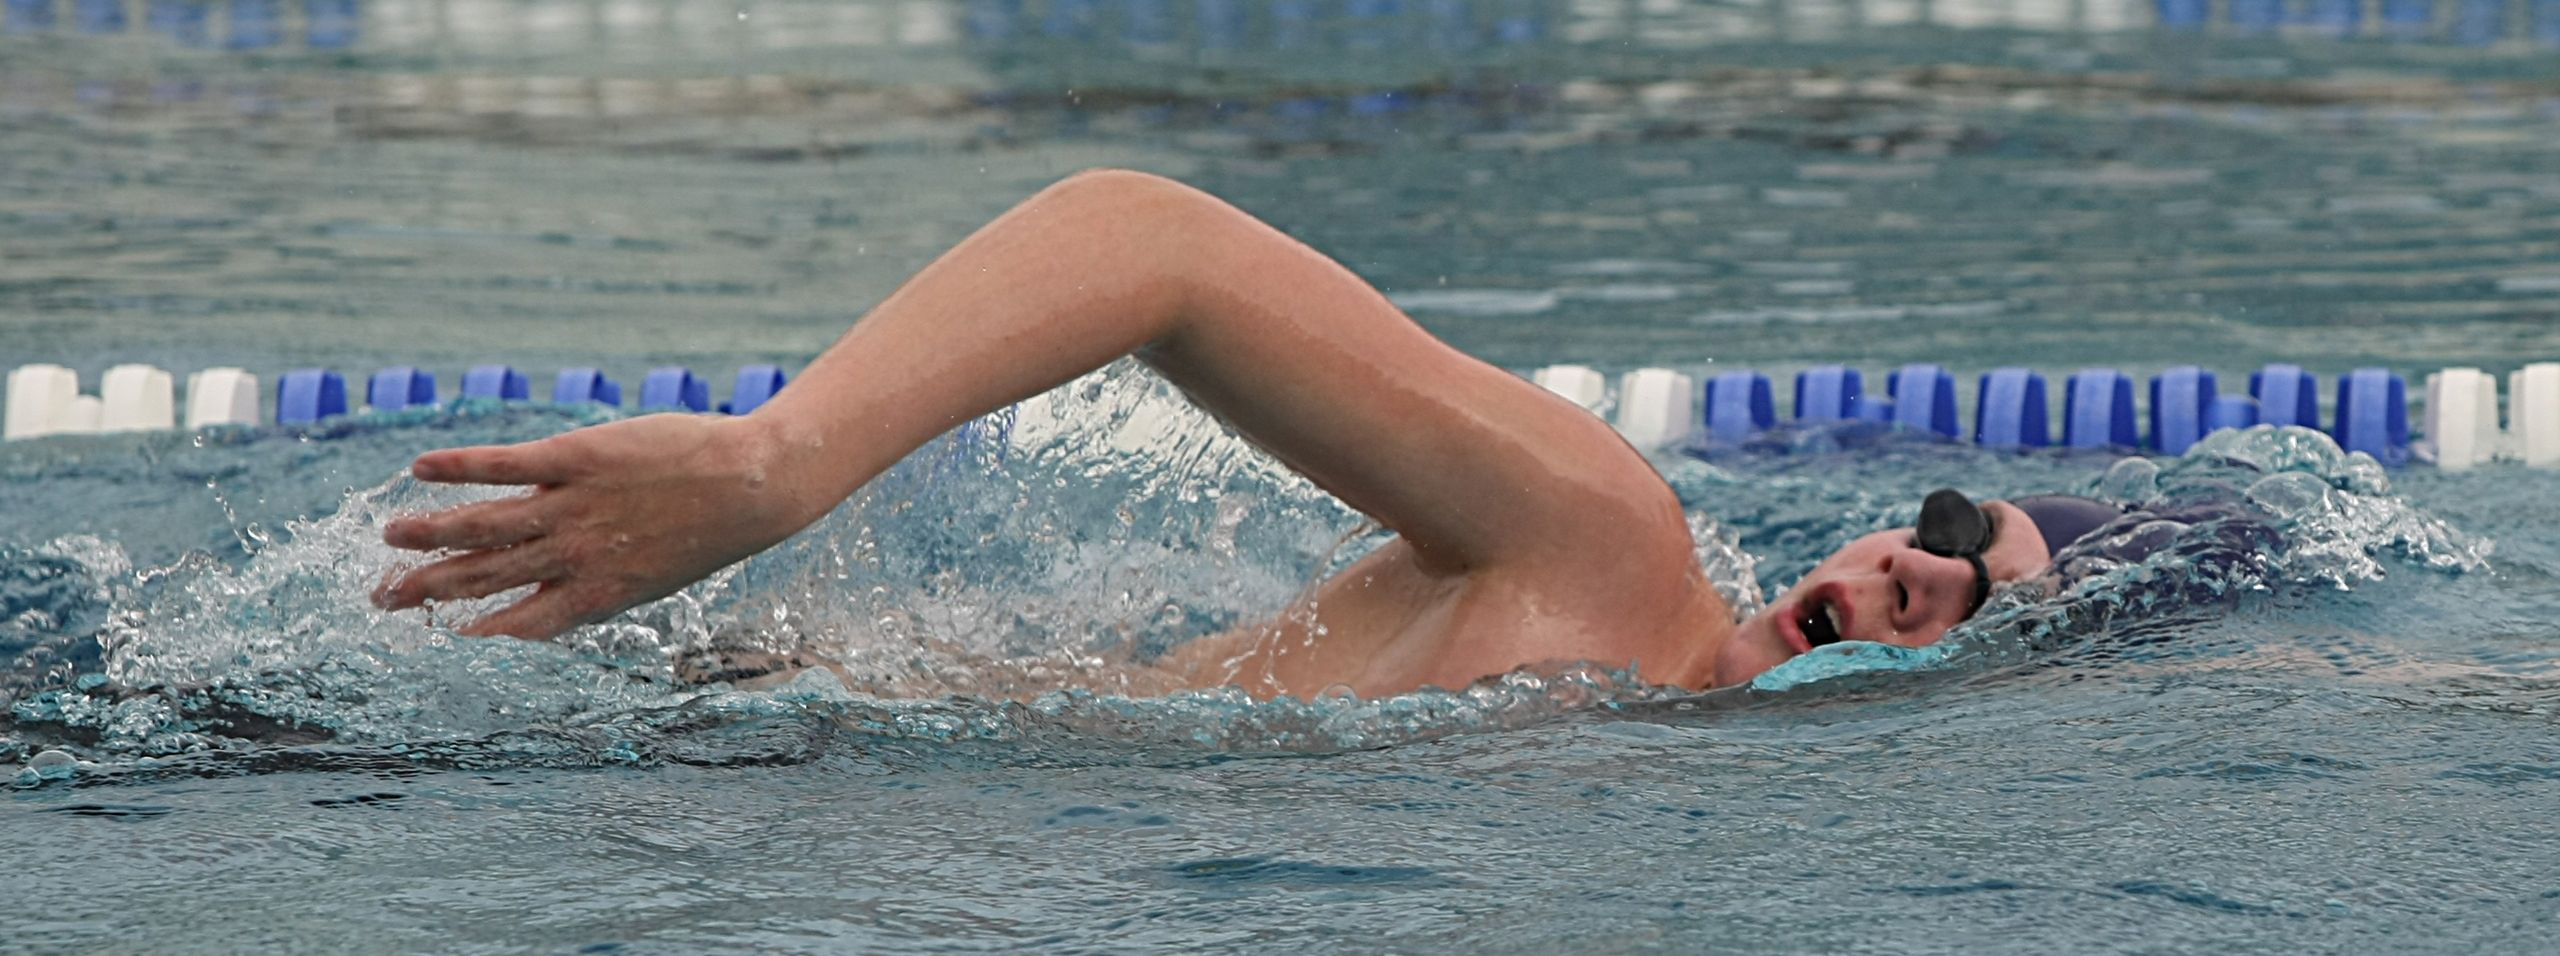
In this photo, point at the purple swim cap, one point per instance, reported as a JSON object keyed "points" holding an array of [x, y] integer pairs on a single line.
{"points": [[2063, 519]]}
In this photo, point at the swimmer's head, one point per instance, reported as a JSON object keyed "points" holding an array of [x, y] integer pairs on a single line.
{"points": [[1908, 586]]}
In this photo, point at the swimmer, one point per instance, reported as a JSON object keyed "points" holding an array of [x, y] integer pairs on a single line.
{"points": [[1526, 532]]}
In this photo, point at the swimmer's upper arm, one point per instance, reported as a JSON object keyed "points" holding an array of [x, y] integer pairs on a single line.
{"points": [[1472, 465], [1478, 470]]}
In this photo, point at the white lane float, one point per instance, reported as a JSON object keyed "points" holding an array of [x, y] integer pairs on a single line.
{"points": [[222, 396], [1579, 384], [137, 398], [1656, 407], [1652, 407], [2533, 414], [2462, 418], [40, 399]]}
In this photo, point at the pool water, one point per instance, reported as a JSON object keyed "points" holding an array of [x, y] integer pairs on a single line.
{"points": [[2337, 735]]}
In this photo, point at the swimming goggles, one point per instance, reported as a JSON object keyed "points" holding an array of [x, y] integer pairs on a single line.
{"points": [[1952, 526]]}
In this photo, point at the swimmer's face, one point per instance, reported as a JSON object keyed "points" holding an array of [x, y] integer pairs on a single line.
{"points": [[1880, 588]]}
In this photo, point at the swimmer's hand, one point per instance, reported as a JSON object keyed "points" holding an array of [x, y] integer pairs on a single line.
{"points": [[619, 514]]}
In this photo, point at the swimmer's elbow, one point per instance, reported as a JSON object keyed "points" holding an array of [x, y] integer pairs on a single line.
{"points": [[1125, 190]]}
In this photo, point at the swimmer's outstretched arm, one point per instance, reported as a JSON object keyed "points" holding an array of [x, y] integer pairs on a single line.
{"points": [[1479, 472]]}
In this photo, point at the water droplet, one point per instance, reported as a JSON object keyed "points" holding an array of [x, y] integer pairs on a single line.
{"points": [[50, 765]]}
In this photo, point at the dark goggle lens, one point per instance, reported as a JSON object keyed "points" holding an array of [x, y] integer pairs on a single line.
{"points": [[1951, 526]]}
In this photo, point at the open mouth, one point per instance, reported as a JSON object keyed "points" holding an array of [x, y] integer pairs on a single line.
{"points": [[1819, 621]]}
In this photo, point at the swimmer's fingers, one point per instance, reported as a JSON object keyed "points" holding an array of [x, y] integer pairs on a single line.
{"points": [[557, 607], [546, 462], [483, 524], [473, 575]]}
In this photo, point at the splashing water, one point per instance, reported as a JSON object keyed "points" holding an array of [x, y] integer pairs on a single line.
{"points": [[997, 588], [2264, 509]]}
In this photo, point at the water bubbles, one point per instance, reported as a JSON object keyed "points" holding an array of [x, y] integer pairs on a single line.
{"points": [[2130, 479], [2292, 494], [48, 766]]}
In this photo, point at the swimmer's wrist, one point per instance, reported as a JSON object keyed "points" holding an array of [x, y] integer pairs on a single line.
{"points": [[788, 464]]}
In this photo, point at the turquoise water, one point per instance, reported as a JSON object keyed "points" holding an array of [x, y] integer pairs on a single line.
{"points": [[2338, 737]]}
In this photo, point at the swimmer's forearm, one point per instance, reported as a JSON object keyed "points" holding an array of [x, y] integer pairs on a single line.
{"points": [[1060, 285]]}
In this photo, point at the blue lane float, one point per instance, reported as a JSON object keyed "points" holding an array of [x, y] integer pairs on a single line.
{"points": [[2011, 410], [675, 386], [1656, 407], [2408, 17], [27, 16], [186, 21], [2479, 22], [992, 19], [2179, 398], [1738, 407], [1222, 24], [2333, 16], [1874, 410], [2373, 415], [579, 385], [1829, 393], [255, 24], [1924, 398], [399, 387], [500, 382], [2256, 16], [2184, 14], [1071, 19], [1449, 25], [330, 24], [1147, 22], [2097, 410], [2286, 395], [306, 395], [755, 386], [98, 16], [2230, 411]]}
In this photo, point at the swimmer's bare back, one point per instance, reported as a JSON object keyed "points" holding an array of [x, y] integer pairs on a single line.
{"points": [[1527, 531]]}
